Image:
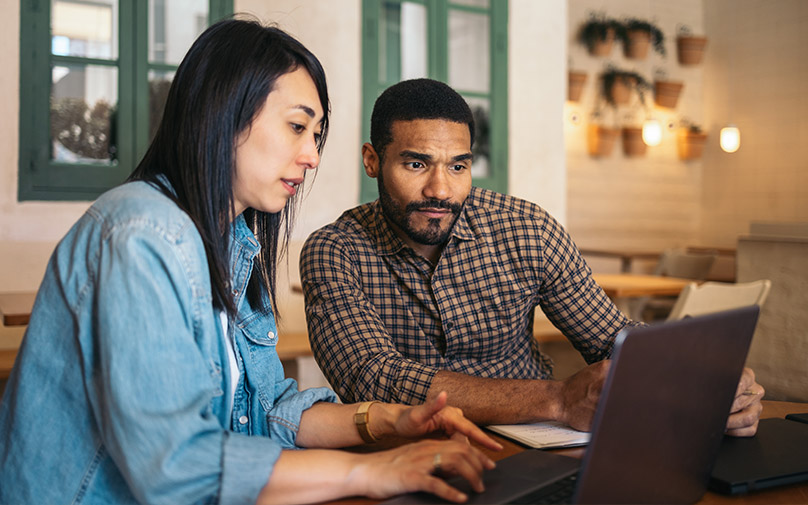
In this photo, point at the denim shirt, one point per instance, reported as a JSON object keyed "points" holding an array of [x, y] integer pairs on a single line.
{"points": [[118, 393]]}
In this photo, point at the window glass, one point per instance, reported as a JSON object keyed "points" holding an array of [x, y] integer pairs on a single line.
{"points": [[403, 41], [159, 82], [84, 29], [173, 27], [82, 110], [481, 109], [469, 51]]}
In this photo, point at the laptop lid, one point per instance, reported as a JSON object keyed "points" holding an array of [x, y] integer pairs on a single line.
{"points": [[777, 455], [659, 422], [663, 410]]}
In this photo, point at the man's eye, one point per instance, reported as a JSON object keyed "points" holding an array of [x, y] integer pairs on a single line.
{"points": [[415, 164], [458, 168]]}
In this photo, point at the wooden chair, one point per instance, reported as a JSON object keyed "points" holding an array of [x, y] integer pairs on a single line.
{"points": [[675, 263], [696, 300]]}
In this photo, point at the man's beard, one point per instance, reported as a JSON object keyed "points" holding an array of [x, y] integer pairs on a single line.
{"points": [[432, 234]]}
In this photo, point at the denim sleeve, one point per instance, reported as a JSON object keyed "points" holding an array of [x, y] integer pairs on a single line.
{"points": [[153, 383], [283, 420]]}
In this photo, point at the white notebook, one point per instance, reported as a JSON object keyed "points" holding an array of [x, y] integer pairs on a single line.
{"points": [[544, 435]]}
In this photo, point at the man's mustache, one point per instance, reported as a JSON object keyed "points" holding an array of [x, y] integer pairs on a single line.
{"points": [[434, 205]]}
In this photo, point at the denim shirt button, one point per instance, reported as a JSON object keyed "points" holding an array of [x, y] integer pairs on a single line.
{"points": [[271, 335], [243, 420]]}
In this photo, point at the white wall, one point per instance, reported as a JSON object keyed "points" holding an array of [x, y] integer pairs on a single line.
{"points": [[648, 202], [755, 77]]}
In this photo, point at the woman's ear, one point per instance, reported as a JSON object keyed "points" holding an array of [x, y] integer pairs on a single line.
{"points": [[370, 160]]}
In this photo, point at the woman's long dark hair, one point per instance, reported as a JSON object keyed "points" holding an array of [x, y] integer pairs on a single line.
{"points": [[219, 88]]}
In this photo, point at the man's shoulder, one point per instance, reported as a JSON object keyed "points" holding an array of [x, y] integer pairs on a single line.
{"points": [[507, 210], [354, 226]]}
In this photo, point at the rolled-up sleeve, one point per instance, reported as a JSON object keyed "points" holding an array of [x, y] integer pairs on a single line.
{"points": [[349, 339]]}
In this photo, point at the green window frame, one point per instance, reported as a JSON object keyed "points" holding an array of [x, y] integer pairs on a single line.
{"points": [[40, 177], [374, 80]]}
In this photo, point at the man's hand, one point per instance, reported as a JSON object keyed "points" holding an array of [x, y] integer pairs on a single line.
{"points": [[436, 416], [580, 394], [746, 409]]}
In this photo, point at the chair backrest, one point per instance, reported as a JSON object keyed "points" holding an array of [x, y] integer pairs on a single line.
{"points": [[680, 263], [697, 300]]}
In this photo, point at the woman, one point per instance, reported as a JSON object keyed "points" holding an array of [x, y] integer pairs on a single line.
{"points": [[148, 372]]}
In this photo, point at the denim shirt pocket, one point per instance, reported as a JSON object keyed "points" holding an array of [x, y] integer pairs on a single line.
{"points": [[261, 363]]}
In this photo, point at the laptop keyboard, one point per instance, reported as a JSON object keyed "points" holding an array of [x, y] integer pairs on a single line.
{"points": [[561, 491]]}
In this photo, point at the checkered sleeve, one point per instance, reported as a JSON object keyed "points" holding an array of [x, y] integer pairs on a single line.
{"points": [[347, 335], [573, 301]]}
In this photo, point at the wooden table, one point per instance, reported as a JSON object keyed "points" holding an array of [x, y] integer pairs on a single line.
{"points": [[634, 285], [626, 257], [797, 493], [16, 308]]}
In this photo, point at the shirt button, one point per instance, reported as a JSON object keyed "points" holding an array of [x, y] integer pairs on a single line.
{"points": [[243, 420], [449, 325], [271, 335]]}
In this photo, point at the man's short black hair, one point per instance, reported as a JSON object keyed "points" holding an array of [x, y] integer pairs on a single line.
{"points": [[416, 99]]}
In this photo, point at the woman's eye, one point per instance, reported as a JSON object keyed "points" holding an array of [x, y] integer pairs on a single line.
{"points": [[298, 128]]}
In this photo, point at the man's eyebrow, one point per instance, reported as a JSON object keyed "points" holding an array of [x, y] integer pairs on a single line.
{"points": [[414, 154], [463, 157]]}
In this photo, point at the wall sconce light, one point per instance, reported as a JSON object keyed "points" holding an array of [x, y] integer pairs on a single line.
{"points": [[651, 132], [730, 138]]}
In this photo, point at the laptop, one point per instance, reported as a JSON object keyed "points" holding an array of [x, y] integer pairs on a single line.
{"points": [[777, 455], [658, 426]]}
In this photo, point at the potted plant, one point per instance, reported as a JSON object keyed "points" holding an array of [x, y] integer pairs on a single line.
{"points": [[638, 35], [575, 85], [666, 92], [633, 144], [690, 48], [599, 138], [618, 85], [690, 141], [598, 34]]}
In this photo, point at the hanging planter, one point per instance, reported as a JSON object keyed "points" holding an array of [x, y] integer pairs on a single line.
{"points": [[690, 49], [638, 37], [666, 93], [598, 34], [600, 140], [575, 85], [619, 84], [633, 144], [690, 142]]}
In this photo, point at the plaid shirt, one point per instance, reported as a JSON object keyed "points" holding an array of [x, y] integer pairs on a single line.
{"points": [[383, 320]]}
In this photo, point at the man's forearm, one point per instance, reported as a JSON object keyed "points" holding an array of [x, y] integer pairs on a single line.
{"points": [[500, 401]]}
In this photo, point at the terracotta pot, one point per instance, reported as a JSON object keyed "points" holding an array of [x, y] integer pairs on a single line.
{"points": [[666, 93], [690, 49], [600, 140], [603, 47], [637, 45], [632, 142], [620, 92], [575, 85], [690, 144]]}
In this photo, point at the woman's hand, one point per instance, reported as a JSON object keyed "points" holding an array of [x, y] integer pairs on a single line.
{"points": [[436, 416], [419, 467]]}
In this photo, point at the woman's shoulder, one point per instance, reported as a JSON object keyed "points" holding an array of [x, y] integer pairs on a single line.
{"points": [[140, 204]]}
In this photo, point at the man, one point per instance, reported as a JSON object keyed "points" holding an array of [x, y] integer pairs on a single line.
{"points": [[433, 287]]}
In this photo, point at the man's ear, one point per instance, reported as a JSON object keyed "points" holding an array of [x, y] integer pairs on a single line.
{"points": [[370, 160]]}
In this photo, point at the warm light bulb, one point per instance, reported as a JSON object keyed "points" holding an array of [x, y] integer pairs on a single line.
{"points": [[651, 132], [730, 138]]}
